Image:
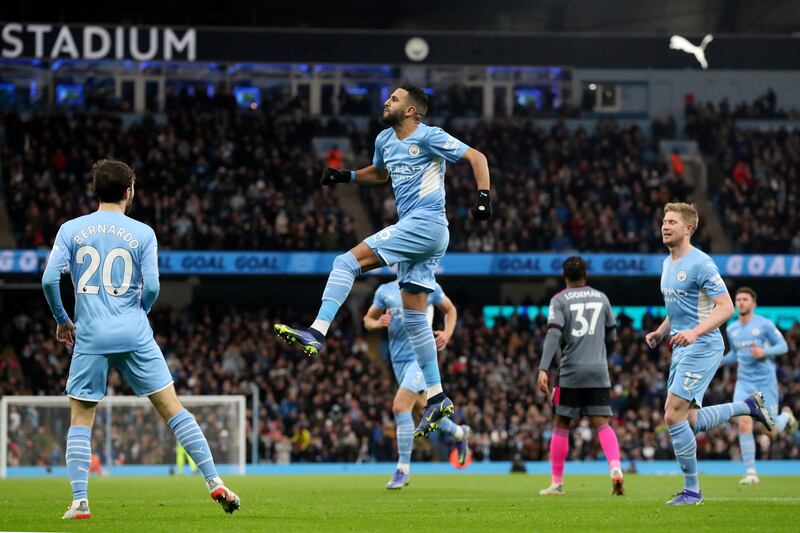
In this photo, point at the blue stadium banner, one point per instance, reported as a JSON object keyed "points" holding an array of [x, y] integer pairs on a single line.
{"points": [[453, 264]]}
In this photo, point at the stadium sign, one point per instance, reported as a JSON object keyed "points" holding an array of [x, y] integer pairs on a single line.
{"points": [[453, 264], [388, 47], [46, 41]]}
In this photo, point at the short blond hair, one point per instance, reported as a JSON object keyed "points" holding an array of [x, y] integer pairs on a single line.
{"points": [[688, 213]]}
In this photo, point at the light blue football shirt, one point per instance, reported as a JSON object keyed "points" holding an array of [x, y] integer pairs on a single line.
{"points": [[688, 285], [387, 297], [761, 332], [108, 255], [416, 166]]}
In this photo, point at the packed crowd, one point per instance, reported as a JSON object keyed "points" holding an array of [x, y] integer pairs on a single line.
{"points": [[757, 185], [206, 179], [337, 407], [210, 177]]}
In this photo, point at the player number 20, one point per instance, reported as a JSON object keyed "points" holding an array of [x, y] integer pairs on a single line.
{"points": [[108, 264], [585, 325]]}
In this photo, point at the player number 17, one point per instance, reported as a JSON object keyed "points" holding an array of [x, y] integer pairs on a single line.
{"points": [[584, 325]]}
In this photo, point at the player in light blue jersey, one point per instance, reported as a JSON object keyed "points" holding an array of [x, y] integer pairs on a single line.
{"points": [[413, 155], [386, 311], [697, 303], [754, 343], [113, 262]]}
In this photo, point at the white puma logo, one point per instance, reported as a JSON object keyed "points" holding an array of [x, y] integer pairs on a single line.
{"points": [[676, 42]]}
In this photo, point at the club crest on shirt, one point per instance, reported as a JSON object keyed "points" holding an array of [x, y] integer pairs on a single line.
{"points": [[682, 275], [413, 150], [756, 331]]}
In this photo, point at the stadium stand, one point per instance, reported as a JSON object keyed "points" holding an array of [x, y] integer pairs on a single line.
{"points": [[338, 407], [207, 179], [756, 187]]}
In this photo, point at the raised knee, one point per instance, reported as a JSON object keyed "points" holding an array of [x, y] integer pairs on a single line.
{"points": [[398, 408], [340, 260], [345, 261], [672, 417]]}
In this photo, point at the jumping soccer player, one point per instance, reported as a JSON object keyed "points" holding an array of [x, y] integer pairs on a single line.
{"points": [[584, 386], [114, 268], [697, 303], [386, 311], [755, 342], [413, 155]]}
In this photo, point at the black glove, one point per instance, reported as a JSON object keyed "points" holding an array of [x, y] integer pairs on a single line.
{"points": [[482, 210], [331, 176]]}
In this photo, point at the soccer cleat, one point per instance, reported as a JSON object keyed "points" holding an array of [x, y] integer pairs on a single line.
{"points": [[223, 495], [617, 488], [791, 425], [462, 446], [552, 490], [758, 410], [432, 415], [310, 345], [749, 479], [79, 510], [399, 480], [687, 497]]}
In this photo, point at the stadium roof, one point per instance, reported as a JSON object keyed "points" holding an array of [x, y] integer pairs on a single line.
{"points": [[651, 17]]}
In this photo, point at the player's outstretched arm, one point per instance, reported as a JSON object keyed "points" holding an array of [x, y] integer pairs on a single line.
{"points": [[371, 174], [480, 169], [364, 176]]}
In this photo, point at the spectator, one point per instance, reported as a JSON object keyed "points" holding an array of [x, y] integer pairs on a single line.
{"points": [[334, 157], [741, 174], [677, 163]]}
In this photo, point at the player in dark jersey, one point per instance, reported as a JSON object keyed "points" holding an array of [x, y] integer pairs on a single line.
{"points": [[582, 324]]}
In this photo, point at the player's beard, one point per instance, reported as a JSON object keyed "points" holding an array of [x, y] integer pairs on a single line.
{"points": [[392, 119]]}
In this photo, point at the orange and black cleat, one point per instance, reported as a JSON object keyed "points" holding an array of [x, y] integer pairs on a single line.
{"points": [[224, 496]]}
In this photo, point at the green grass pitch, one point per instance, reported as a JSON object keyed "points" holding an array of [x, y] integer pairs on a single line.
{"points": [[430, 503]]}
